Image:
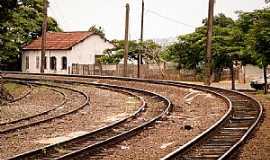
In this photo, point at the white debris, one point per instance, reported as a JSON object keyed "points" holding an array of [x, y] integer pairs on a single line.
{"points": [[116, 117], [124, 147], [191, 91], [193, 94], [163, 146], [62, 138]]}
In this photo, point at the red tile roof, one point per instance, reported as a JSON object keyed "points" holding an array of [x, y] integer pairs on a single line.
{"points": [[59, 40]]}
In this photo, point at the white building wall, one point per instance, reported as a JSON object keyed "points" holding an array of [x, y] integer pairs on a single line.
{"points": [[51, 53], [82, 53]]}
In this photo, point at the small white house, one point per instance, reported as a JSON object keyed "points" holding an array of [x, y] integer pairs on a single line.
{"points": [[62, 50]]}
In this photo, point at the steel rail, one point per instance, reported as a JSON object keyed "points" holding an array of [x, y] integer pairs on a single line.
{"points": [[251, 128], [164, 82], [181, 150], [39, 114], [158, 82], [41, 150], [22, 96], [86, 102], [119, 137]]}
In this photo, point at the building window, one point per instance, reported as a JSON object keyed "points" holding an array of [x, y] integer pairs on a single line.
{"points": [[64, 62], [53, 63], [45, 62], [37, 62], [27, 62]]}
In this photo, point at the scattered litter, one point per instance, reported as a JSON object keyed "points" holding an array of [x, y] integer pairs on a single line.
{"points": [[59, 108], [62, 138], [188, 127], [163, 146], [189, 98], [209, 96], [116, 117], [124, 147], [191, 91]]}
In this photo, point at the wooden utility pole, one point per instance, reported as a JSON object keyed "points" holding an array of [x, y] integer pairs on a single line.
{"points": [[232, 76], [44, 30], [265, 78], [208, 64], [141, 39], [126, 40]]}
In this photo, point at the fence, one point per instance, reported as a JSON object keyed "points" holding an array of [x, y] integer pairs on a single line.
{"points": [[148, 71]]}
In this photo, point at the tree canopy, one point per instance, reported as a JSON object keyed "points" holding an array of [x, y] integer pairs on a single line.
{"points": [[246, 39], [98, 30], [149, 49], [189, 52], [20, 22]]}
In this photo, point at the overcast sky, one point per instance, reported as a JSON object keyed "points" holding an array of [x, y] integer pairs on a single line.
{"points": [[163, 18]]}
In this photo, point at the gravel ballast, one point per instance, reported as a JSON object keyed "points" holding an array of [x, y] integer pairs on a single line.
{"points": [[193, 113], [40, 100], [190, 117], [100, 112]]}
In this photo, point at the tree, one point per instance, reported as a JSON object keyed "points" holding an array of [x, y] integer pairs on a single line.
{"points": [[259, 38], [97, 30], [149, 49], [5, 8], [189, 51], [20, 23]]}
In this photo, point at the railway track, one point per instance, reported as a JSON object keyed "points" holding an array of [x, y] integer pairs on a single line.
{"points": [[157, 107], [67, 107], [29, 91], [220, 140], [19, 123]]}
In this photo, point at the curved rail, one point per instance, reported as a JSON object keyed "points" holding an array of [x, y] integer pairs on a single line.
{"points": [[39, 114], [86, 97], [202, 147], [226, 118], [111, 127], [24, 95], [178, 85]]}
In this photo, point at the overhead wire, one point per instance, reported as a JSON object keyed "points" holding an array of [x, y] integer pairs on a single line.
{"points": [[169, 18]]}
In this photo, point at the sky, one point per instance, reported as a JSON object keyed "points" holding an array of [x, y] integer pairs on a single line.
{"points": [[163, 18]]}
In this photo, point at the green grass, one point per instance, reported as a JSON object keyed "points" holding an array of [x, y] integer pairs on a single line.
{"points": [[261, 93], [267, 96], [11, 87]]}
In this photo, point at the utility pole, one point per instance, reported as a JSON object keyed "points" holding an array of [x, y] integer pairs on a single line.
{"points": [[232, 75], [265, 78], [208, 64], [126, 40], [141, 39], [43, 41]]}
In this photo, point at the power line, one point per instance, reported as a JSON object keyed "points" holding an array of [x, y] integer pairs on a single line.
{"points": [[169, 19]]}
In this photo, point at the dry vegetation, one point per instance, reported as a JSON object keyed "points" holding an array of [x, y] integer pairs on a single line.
{"points": [[4, 95]]}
